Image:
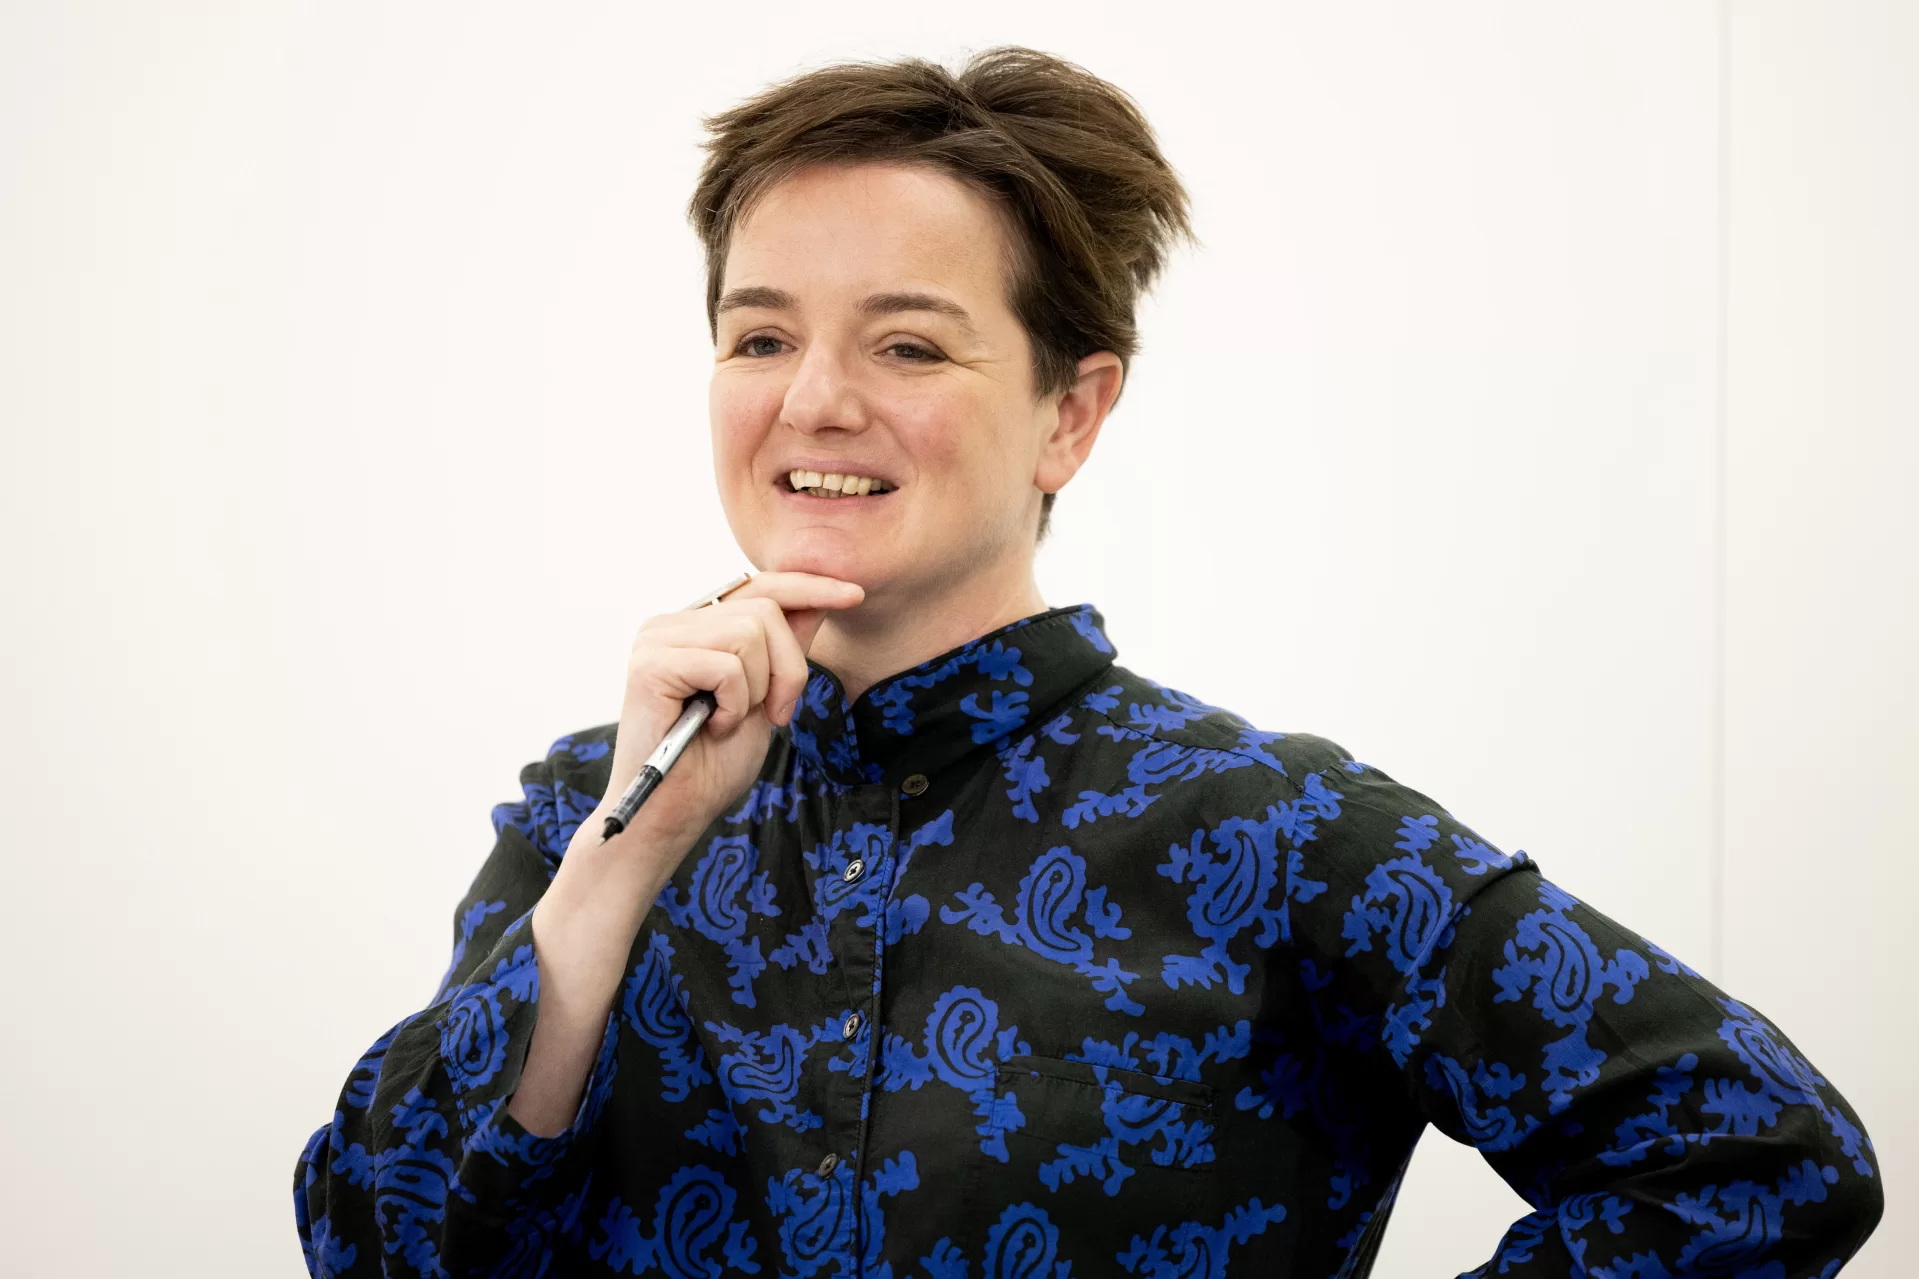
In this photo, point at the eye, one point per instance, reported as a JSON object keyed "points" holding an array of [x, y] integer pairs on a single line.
{"points": [[916, 353], [753, 345]]}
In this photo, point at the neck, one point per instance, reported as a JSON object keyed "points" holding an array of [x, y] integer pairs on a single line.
{"points": [[889, 633]]}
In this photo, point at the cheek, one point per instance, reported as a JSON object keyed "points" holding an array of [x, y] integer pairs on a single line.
{"points": [[957, 443], [741, 413]]}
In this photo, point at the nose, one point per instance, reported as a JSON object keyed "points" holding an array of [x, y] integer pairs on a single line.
{"points": [[822, 395]]}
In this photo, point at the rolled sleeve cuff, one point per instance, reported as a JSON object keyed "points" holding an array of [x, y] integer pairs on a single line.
{"points": [[485, 1027]]}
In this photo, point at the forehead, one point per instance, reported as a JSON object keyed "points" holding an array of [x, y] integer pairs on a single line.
{"points": [[856, 228]]}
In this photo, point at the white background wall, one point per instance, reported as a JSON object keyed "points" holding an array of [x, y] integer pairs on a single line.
{"points": [[1537, 420]]}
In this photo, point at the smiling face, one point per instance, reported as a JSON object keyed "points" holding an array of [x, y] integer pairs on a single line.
{"points": [[864, 332]]}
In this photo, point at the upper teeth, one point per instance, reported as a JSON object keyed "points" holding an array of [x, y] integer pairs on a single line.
{"points": [[834, 484]]}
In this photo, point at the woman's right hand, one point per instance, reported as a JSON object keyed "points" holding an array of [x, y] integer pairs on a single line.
{"points": [[749, 650]]}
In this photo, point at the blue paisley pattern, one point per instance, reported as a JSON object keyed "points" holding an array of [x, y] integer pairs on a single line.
{"points": [[1553, 956], [1020, 964], [1052, 893], [1165, 1130], [723, 890], [1233, 886], [963, 1045], [1193, 1250], [655, 1014], [692, 1221], [764, 1066]]}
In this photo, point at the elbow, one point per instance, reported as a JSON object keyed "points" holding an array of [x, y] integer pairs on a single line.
{"points": [[322, 1244], [306, 1171], [1855, 1205], [1870, 1207], [1840, 1179], [305, 1174]]}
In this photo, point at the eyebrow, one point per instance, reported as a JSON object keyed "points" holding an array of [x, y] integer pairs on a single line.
{"points": [[893, 303], [771, 299]]}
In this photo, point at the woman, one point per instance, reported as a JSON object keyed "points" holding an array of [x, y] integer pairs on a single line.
{"points": [[951, 947]]}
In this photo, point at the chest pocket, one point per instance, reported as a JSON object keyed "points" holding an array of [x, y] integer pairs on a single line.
{"points": [[1134, 1115], [1084, 1138]]}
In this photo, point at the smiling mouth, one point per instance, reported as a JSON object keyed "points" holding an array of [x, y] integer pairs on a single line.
{"points": [[835, 484]]}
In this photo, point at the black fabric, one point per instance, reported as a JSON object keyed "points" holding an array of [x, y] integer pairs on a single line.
{"points": [[1120, 985]]}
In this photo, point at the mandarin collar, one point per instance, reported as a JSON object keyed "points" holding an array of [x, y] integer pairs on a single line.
{"points": [[968, 697]]}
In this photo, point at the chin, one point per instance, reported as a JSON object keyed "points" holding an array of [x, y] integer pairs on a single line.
{"points": [[830, 556]]}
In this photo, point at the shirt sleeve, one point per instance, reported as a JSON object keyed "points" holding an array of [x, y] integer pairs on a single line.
{"points": [[1658, 1127], [422, 1171]]}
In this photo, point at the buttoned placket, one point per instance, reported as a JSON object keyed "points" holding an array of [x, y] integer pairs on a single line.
{"points": [[860, 954]]}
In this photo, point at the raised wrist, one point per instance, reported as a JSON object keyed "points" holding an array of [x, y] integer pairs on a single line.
{"points": [[584, 931]]}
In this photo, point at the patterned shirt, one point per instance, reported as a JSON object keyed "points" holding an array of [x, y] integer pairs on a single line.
{"points": [[1022, 964]]}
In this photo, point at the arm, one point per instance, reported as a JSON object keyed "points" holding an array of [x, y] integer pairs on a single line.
{"points": [[1651, 1120], [1659, 1128], [424, 1165], [463, 1136]]}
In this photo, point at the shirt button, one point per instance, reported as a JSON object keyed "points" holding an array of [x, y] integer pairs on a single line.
{"points": [[851, 1026], [914, 785], [827, 1164], [854, 869]]}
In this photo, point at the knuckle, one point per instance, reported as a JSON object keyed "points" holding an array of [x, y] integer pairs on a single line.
{"points": [[641, 657], [727, 629]]}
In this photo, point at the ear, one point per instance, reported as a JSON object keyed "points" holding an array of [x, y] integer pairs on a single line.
{"points": [[1081, 411]]}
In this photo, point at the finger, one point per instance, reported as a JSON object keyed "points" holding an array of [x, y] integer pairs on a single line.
{"points": [[804, 598], [797, 591], [750, 647], [793, 592], [683, 672], [787, 658], [738, 628]]}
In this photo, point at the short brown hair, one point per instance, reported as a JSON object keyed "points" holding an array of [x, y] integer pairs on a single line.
{"points": [[1066, 156]]}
